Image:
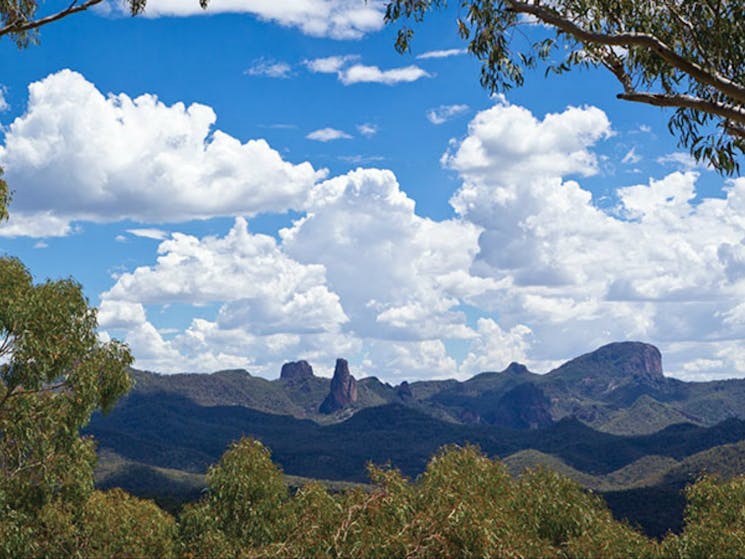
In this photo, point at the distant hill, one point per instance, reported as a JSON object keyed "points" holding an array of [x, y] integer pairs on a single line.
{"points": [[609, 419]]}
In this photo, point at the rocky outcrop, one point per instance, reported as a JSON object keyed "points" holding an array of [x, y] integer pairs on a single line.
{"points": [[343, 392], [515, 368], [621, 360], [296, 370]]}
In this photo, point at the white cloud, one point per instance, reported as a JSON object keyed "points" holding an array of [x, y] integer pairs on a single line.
{"points": [[269, 69], [269, 306], [494, 347], [443, 113], [330, 64], [447, 53], [415, 270], [263, 285], [361, 275], [114, 313], [349, 73], [338, 19], [360, 73], [507, 146], [367, 130], [399, 360], [328, 135], [36, 224], [4, 106], [77, 154], [664, 266], [681, 160], [149, 233]]}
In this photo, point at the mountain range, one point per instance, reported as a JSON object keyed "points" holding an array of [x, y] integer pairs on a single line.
{"points": [[610, 419]]}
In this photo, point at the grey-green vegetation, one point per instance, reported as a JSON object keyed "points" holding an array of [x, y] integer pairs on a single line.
{"points": [[463, 505]]}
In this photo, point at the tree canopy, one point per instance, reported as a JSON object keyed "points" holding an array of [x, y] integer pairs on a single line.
{"points": [[688, 56], [54, 372]]}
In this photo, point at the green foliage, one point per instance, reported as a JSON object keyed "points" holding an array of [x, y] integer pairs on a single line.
{"points": [[5, 196], [686, 55], [110, 524], [54, 373], [463, 505], [117, 525], [714, 521], [244, 504]]}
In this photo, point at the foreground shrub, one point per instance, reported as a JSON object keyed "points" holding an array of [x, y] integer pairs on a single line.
{"points": [[244, 506], [714, 521]]}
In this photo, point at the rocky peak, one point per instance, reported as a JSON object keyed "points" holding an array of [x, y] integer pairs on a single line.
{"points": [[635, 359], [515, 368], [614, 365], [296, 370], [343, 392]]}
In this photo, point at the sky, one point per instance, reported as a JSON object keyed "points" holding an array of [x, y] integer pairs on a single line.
{"points": [[271, 181]]}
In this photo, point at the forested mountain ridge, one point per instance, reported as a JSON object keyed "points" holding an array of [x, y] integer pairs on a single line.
{"points": [[619, 388]]}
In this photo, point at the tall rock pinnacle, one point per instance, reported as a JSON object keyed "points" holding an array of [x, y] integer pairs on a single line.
{"points": [[343, 391]]}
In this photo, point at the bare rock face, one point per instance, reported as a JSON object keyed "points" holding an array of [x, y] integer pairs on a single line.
{"points": [[296, 370], [343, 391]]}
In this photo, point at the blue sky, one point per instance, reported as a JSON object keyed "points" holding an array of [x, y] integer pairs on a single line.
{"points": [[264, 183]]}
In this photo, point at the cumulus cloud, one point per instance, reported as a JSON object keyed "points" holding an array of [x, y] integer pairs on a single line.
{"points": [[360, 274], [304, 297], [494, 347], [338, 19], [350, 74], [77, 154], [328, 135], [269, 306], [662, 266], [415, 269], [404, 360], [262, 284], [443, 113]]}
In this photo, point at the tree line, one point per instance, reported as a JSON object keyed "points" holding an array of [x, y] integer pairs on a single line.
{"points": [[464, 505]]}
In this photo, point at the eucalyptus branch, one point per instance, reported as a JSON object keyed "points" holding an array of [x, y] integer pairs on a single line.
{"points": [[644, 40], [20, 25], [729, 112]]}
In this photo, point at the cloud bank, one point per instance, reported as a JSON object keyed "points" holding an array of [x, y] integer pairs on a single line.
{"points": [[528, 267], [77, 154]]}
